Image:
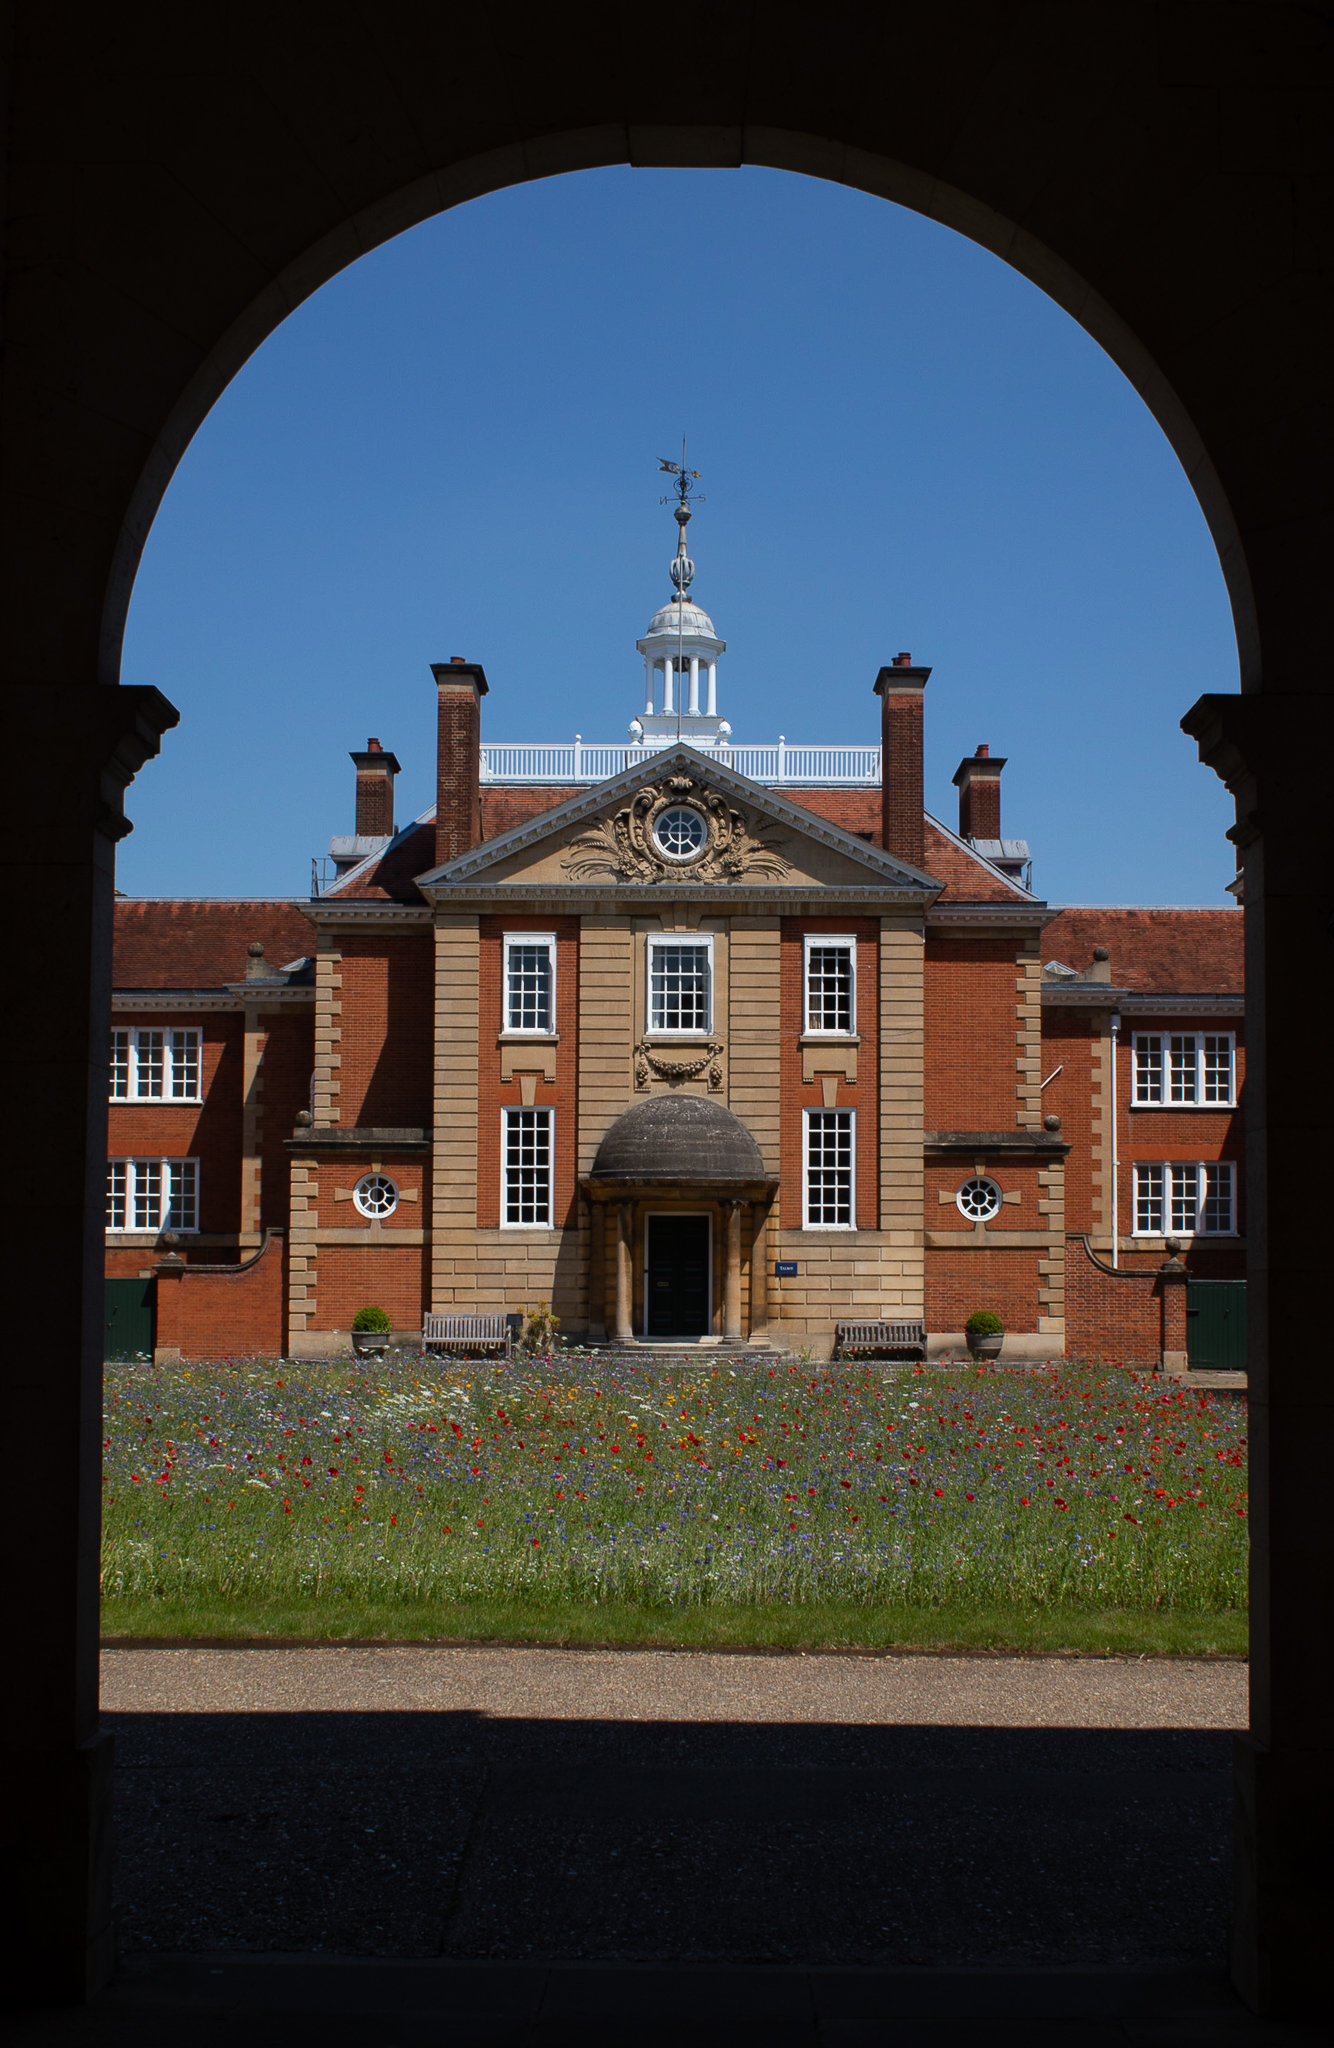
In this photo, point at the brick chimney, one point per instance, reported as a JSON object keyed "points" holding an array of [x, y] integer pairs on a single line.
{"points": [[461, 686], [900, 688], [375, 792], [978, 783]]}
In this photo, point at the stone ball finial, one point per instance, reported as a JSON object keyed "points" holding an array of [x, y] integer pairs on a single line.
{"points": [[304, 1119], [255, 950], [1101, 953], [1051, 1123]]}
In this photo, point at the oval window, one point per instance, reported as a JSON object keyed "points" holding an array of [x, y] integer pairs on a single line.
{"points": [[680, 833], [376, 1195], [979, 1199]]}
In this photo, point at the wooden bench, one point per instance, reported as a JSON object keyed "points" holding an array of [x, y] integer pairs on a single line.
{"points": [[470, 1332], [909, 1337]]}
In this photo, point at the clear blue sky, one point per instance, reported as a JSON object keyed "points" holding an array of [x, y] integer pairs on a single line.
{"points": [[451, 449]]}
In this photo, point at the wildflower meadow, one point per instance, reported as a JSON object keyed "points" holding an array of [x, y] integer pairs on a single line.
{"points": [[562, 1498]]}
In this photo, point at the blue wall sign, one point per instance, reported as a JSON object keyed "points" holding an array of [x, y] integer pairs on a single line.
{"points": [[786, 1269]]}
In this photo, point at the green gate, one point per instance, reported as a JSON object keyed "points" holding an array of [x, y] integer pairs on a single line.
{"points": [[129, 1319], [1216, 1325]]}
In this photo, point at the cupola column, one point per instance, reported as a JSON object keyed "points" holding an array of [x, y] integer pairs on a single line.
{"points": [[694, 686], [648, 685], [712, 711]]}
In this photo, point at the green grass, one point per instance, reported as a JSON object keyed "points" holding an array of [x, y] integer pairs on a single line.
{"points": [[819, 1625], [563, 1500]]}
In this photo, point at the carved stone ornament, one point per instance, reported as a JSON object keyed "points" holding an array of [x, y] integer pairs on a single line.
{"points": [[650, 1066], [630, 845]]}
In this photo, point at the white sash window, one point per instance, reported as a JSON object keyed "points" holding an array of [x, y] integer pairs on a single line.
{"points": [[153, 1064]]}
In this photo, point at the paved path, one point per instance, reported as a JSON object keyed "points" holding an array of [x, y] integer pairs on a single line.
{"points": [[653, 1685]]}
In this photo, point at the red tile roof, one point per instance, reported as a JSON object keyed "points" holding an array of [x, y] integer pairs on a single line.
{"points": [[967, 877], [192, 944], [1157, 951]]}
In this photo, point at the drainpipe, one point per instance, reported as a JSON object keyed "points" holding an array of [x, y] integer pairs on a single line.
{"points": [[1116, 1147]]}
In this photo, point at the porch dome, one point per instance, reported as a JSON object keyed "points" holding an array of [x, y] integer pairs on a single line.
{"points": [[678, 1137]]}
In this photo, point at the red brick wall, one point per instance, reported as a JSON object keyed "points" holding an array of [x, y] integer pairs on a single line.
{"points": [[224, 1315], [209, 1131], [1112, 1315], [495, 1095], [396, 1278], [959, 1282], [902, 830], [289, 1057], [969, 1007], [387, 1027], [797, 1095], [458, 824], [410, 1172], [1068, 1040]]}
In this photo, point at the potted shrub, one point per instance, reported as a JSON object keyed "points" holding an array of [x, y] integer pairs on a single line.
{"points": [[539, 1328], [985, 1333], [371, 1329]]}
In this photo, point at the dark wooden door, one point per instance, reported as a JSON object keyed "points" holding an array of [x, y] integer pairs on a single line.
{"points": [[677, 1283], [1216, 1325], [129, 1319]]}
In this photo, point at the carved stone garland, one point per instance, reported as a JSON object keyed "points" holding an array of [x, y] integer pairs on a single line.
{"points": [[649, 1065], [625, 846]]}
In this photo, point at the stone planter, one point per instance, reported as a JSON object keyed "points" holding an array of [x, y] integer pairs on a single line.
{"points": [[986, 1344], [370, 1343]]}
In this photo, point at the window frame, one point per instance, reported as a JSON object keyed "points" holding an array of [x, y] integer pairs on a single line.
{"points": [[806, 1116], [509, 940], [810, 942], [364, 1180], [1163, 1043], [1204, 1170], [131, 1034], [547, 1110], [131, 1163], [693, 939]]}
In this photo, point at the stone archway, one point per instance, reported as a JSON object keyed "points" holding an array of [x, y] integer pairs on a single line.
{"points": [[174, 185]]}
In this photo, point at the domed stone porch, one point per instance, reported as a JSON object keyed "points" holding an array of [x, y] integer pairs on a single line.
{"points": [[680, 1203]]}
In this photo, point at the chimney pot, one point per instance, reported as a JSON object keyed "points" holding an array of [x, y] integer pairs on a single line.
{"points": [[374, 747], [983, 750], [903, 661], [458, 660]]}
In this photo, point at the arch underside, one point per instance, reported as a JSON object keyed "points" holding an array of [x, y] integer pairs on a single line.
{"points": [[680, 147]]}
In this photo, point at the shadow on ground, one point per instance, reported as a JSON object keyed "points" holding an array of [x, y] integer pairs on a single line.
{"points": [[459, 1836]]}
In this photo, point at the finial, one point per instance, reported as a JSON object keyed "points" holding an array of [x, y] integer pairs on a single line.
{"points": [[682, 569]]}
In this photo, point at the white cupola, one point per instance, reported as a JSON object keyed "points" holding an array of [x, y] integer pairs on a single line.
{"points": [[681, 650]]}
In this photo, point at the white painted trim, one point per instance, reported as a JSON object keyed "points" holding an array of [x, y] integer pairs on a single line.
{"points": [[667, 1032], [509, 1109], [547, 939], [1165, 1102], [132, 1098], [809, 939], [806, 1116], [1196, 1234]]}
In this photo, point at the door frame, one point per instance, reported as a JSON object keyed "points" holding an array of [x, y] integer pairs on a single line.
{"points": [[708, 1216]]}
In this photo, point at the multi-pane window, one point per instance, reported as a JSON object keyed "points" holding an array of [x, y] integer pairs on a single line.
{"points": [[679, 978], [1184, 1067], [154, 1065], [830, 1169], [526, 1166], [831, 984], [530, 983], [1186, 1198], [152, 1194]]}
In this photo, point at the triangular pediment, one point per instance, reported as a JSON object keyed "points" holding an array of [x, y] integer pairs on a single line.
{"points": [[618, 833]]}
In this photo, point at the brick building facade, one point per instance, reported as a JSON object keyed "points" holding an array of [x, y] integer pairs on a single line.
{"points": [[917, 1089]]}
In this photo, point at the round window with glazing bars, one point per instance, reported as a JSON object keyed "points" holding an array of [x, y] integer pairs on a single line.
{"points": [[979, 1199], [376, 1195], [680, 832]]}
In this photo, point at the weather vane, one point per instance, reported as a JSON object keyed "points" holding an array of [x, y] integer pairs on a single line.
{"points": [[682, 569]]}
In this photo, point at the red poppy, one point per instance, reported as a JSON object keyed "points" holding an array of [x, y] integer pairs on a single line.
{"points": [[1061, 1504]]}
